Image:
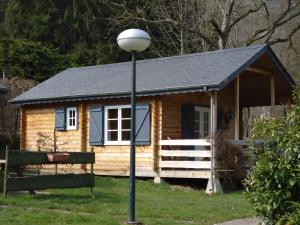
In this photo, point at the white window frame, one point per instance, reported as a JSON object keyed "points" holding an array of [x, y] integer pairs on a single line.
{"points": [[119, 141], [68, 126], [201, 110]]}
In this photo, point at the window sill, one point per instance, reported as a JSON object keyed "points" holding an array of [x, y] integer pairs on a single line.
{"points": [[75, 128], [117, 143]]}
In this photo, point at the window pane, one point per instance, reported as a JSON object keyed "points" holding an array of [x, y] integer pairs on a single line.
{"points": [[196, 125], [205, 116], [112, 113], [112, 135], [126, 113], [197, 115], [112, 124], [70, 113], [125, 124], [125, 135]]}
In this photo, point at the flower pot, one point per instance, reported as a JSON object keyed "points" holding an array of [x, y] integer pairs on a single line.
{"points": [[58, 157]]}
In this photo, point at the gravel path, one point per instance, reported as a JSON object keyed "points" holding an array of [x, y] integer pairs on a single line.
{"points": [[245, 221]]}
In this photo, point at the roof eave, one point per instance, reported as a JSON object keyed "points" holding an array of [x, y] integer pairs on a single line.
{"points": [[202, 88]]}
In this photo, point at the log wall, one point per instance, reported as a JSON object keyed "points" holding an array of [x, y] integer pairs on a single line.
{"points": [[114, 160], [110, 159]]}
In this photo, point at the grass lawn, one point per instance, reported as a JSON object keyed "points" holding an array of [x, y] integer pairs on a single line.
{"points": [[156, 204]]}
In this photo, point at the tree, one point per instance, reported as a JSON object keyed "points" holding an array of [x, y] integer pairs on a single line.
{"points": [[214, 22], [33, 60], [73, 27]]}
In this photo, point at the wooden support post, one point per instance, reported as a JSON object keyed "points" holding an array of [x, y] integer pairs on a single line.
{"points": [[272, 91], [213, 185], [237, 110], [157, 136], [82, 123], [92, 169], [23, 129], [5, 173]]}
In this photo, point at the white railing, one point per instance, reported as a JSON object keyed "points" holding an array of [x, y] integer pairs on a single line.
{"points": [[175, 157]]}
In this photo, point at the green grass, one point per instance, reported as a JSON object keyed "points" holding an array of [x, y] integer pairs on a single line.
{"points": [[156, 204]]}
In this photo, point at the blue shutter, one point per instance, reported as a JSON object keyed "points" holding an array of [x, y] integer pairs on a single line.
{"points": [[96, 125], [142, 124], [188, 126], [60, 118]]}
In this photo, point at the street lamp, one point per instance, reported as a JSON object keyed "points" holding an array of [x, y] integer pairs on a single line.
{"points": [[133, 40]]}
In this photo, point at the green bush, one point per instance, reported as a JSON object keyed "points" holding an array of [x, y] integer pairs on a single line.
{"points": [[291, 219], [273, 186]]}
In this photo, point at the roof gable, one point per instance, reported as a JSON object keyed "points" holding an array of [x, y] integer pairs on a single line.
{"points": [[194, 72]]}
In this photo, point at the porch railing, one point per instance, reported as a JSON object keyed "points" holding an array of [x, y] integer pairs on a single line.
{"points": [[173, 155]]}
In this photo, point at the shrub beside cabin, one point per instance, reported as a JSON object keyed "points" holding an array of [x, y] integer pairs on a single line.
{"points": [[181, 102]]}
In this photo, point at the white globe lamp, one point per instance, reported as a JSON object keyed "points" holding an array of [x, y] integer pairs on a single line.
{"points": [[134, 40]]}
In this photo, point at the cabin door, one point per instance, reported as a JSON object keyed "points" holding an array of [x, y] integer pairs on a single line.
{"points": [[201, 123]]}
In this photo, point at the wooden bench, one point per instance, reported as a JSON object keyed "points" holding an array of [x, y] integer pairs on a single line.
{"points": [[16, 159]]}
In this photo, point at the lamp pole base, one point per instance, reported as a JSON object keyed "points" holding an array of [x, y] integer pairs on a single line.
{"points": [[134, 223]]}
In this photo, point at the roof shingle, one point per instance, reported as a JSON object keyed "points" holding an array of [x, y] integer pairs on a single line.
{"points": [[154, 76]]}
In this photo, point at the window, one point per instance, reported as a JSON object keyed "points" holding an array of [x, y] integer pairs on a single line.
{"points": [[117, 124], [202, 122], [72, 118]]}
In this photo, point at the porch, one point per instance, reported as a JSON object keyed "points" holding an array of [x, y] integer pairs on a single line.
{"points": [[187, 147]]}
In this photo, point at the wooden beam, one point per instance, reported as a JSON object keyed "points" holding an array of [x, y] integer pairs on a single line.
{"points": [[23, 158], [186, 173], [273, 91], [237, 110], [259, 71], [23, 128], [186, 164], [43, 182], [186, 142], [186, 153]]}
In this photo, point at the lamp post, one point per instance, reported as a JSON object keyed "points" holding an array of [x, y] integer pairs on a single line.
{"points": [[133, 40]]}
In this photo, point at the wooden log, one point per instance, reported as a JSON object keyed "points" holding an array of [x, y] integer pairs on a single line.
{"points": [[43, 182], [237, 110], [186, 164], [186, 153], [23, 158], [186, 142], [273, 91]]}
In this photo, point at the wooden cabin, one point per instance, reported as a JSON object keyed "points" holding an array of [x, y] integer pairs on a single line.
{"points": [[182, 101]]}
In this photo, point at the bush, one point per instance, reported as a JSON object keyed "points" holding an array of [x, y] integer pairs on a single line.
{"points": [[231, 161], [293, 218], [273, 185]]}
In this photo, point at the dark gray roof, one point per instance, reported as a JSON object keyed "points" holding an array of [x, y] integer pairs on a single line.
{"points": [[3, 89], [194, 72]]}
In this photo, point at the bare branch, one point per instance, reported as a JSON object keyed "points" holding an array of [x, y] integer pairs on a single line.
{"points": [[287, 39], [279, 21], [249, 12], [217, 28]]}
